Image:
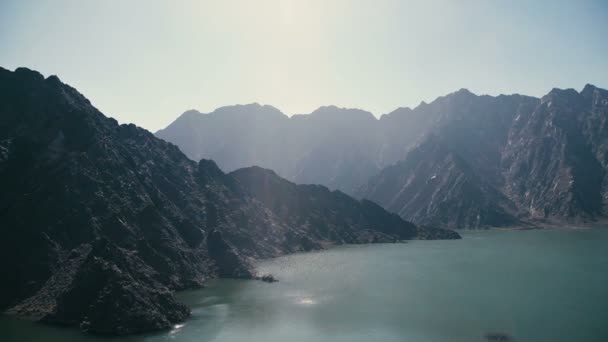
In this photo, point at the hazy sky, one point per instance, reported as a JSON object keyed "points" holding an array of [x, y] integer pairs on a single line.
{"points": [[148, 61]]}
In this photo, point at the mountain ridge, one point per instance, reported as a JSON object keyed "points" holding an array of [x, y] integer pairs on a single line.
{"points": [[102, 223], [347, 154]]}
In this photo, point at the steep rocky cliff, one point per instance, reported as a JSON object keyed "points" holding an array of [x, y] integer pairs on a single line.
{"points": [[434, 185], [96, 214], [509, 160], [554, 162]]}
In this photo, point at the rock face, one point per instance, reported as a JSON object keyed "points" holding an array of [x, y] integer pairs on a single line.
{"points": [[509, 160], [318, 214], [433, 233], [101, 222], [435, 186], [554, 163]]}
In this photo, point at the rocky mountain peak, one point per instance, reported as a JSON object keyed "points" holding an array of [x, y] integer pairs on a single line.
{"points": [[339, 112], [464, 92], [250, 110], [588, 89], [190, 113], [598, 96], [26, 73]]}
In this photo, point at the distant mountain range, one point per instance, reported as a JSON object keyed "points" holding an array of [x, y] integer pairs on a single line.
{"points": [[462, 161], [332, 146], [101, 222]]}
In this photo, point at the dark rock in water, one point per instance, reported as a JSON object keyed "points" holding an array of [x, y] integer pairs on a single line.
{"points": [[268, 278], [431, 233], [498, 336], [102, 222]]}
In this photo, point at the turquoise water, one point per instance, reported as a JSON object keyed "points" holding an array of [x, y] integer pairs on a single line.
{"points": [[540, 285]]}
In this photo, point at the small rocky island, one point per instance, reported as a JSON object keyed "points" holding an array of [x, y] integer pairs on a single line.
{"points": [[498, 337]]}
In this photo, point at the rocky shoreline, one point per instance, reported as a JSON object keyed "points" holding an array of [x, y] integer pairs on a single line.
{"points": [[102, 223]]}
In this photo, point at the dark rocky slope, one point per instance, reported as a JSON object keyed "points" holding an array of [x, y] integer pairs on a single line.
{"points": [[102, 222], [325, 216], [97, 215]]}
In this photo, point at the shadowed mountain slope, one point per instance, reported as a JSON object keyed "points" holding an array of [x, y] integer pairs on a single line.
{"points": [[325, 215]]}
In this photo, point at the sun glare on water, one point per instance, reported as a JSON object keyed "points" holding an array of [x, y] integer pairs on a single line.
{"points": [[305, 301]]}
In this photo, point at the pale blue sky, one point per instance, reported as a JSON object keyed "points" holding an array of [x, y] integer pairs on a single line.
{"points": [[148, 61]]}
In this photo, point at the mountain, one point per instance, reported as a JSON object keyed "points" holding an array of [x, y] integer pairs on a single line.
{"points": [[501, 161], [249, 141], [324, 215], [102, 222], [555, 161], [336, 147], [461, 161], [435, 186]]}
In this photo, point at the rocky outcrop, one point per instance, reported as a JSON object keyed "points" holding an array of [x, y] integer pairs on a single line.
{"points": [[102, 222], [267, 278], [228, 262], [434, 233]]}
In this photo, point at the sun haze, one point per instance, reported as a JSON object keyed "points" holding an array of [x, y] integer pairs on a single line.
{"points": [[148, 61]]}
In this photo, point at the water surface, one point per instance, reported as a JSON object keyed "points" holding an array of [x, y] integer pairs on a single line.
{"points": [[540, 285]]}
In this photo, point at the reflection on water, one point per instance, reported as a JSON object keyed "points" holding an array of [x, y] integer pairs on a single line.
{"points": [[306, 301], [529, 285]]}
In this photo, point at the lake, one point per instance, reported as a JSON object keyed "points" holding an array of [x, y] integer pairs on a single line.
{"points": [[537, 285]]}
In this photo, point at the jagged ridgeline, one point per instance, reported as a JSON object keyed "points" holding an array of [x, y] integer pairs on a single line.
{"points": [[507, 160], [101, 222], [461, 161]]}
